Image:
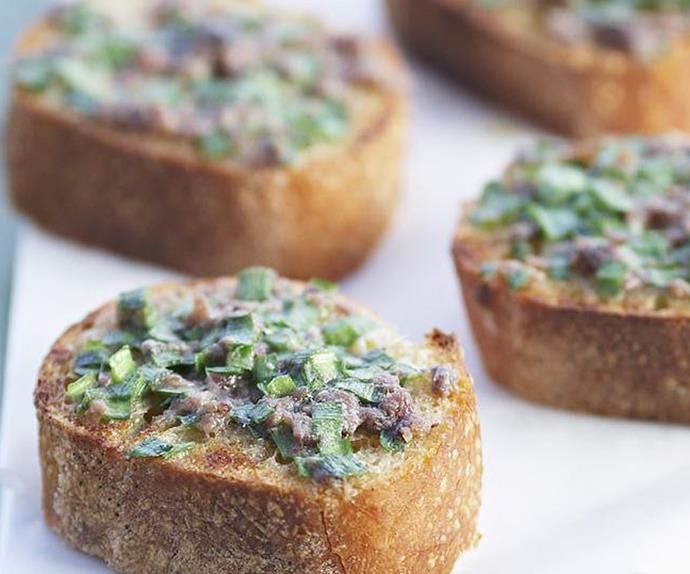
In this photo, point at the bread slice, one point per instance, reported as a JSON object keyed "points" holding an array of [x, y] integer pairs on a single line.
{"points": [[153, 197], [231, 504], [579, 90], [609, 335]]}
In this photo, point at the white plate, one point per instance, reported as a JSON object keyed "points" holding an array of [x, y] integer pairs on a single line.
{"points": [[563, 493]]}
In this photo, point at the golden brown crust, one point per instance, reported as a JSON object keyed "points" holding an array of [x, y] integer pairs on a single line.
{"points": [[154, 516], [577, 91], [138, 196], [575, 357]]}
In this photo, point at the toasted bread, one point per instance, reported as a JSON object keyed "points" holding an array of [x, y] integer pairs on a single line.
{"points": [[579, 90], [154, 197], [600, 337], [231, 505]]}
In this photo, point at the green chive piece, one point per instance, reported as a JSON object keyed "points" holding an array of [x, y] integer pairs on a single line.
{"points": [[91, 361], [280, 386], [363, 390], [327, 422], [518, 278], [330, 466], [323, 284], [554, 223], [122, 365], [265, 368], [610, 195], [239, 329], [320, 368], [135, 312], [252, 413], [217, 145], [391, 442], [154, 447], [171, 358], [117, 410], [33, 75], [255, 283], [610, 278], [284, 441], [241, 359], [76, 390], [343, 332]]}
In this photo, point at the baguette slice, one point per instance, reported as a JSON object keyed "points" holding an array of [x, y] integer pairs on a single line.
{"points": [[156, 198], [559, 343], [230, 505], [579, 90]]}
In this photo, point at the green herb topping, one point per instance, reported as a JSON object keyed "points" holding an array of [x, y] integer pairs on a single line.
{"points": [[237, 81], [290, 365], [611, 218]]}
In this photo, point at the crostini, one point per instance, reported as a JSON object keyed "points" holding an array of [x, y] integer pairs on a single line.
{"points": [[574, 268], [257, 425], [580, 68], [207, 137]]}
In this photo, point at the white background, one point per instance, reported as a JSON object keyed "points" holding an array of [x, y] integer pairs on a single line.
{"points": [[563, 493]]}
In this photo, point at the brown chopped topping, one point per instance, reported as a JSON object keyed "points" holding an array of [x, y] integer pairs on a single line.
{"points": [[444, 379]]}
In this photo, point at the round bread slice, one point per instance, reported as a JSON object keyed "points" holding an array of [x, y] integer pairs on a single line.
{"points": [[575, 75], [213, 466], [575, 277], [147, 193]]}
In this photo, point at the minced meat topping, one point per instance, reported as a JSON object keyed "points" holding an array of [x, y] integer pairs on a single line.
{"points": [[641, 27], [612, 218], [238, 81], [293, 366]]}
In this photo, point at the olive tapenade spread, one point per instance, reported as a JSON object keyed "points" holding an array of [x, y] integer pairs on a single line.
{"points": [[640, 27], [291, 365], [611, 219], [239, 81]]}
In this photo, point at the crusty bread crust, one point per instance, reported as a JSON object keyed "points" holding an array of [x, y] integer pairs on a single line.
{"points": [[580, 91], [216, 513], [604, 361], [152, 199]]}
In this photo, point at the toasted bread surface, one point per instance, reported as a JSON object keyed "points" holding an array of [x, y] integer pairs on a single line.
{"points": [[575, 90], [584, 318], [153, 197], [232, 506], [616, 363]]}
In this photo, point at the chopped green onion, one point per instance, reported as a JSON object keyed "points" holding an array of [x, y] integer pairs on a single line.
{"points": [[134, 311], [343, 332], [554, 223], [330, 466], [241, 359], [364, 390], [391, 442], [90, 362], [324, 284], [252, 413], [280, 386], [217, 145], [255, 284], [33, 74], [611, 196], [327, 422], [122, 365], [153, 447], [76, 390], [320, 368], [171, 358], [265, 368], [518, 278], [284, 440], [237, 330], [610, 278]]}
